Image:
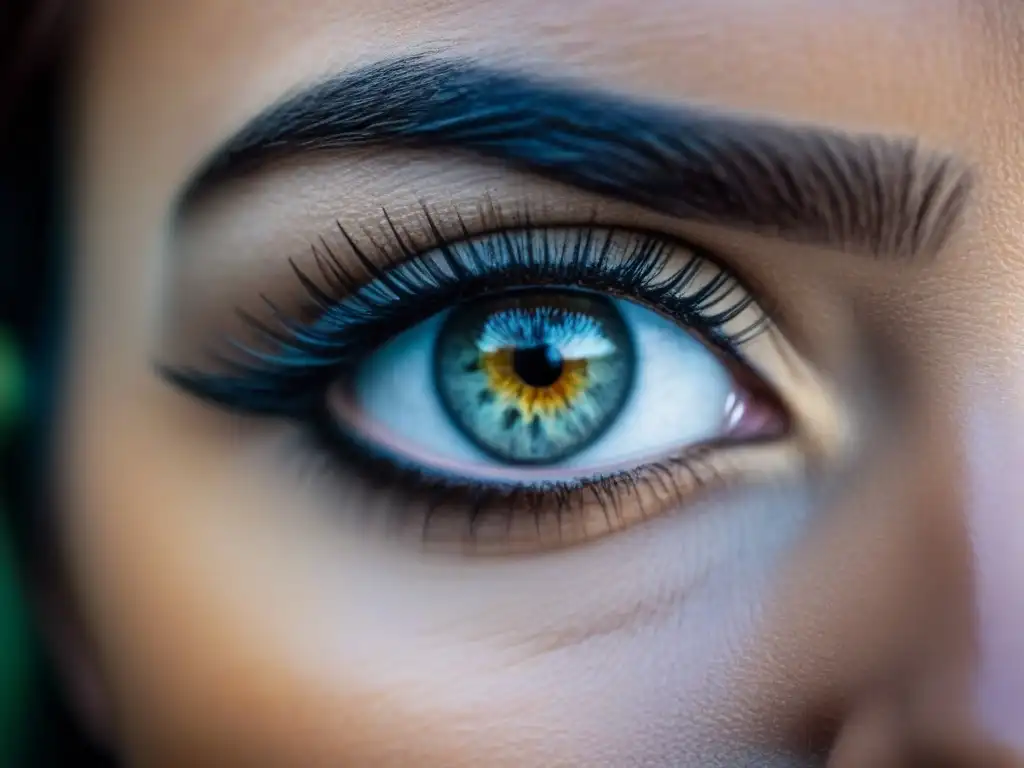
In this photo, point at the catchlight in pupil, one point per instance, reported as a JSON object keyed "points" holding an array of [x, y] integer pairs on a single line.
{"points": [[534, 377]]}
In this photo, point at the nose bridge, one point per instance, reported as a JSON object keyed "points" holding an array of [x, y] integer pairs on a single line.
{"points": [[993, 502]]}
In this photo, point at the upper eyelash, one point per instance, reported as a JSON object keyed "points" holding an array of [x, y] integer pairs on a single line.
{"points": [[355, 314]]}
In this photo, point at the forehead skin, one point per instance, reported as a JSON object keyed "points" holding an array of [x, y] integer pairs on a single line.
{"points": [[211, 653]]}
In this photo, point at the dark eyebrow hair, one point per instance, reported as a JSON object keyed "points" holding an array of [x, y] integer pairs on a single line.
{"points": [[870, 192]]}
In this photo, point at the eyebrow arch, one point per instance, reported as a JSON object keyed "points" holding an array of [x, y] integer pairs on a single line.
{"points": [[884, 195]]}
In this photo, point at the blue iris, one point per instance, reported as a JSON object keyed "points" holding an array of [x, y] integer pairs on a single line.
{"points": [[534, 377]]}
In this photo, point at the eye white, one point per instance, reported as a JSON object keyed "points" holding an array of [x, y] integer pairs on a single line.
{"points": [[680, 397]]}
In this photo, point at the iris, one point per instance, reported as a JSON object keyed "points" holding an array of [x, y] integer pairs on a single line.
{"points": [[534, 377]]}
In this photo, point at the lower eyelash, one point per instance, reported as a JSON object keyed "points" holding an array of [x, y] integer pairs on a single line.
{"points": [[445, 511]]}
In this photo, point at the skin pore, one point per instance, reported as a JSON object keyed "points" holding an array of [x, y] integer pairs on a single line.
{"points": [[848, 598]]}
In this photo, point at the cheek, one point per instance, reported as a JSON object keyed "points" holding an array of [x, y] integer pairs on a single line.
{"points": [[242, 619], [995, 444]]}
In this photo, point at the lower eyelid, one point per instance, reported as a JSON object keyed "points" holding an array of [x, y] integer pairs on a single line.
{"points": [[453, 511], [526, 521]]}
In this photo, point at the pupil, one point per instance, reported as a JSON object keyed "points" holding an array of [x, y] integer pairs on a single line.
{"points": [[538, 367]]}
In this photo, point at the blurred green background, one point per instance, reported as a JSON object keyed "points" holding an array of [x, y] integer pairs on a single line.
{"points": [[16, 658]]}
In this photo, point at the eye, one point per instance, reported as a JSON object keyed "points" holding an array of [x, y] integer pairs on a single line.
{"points": [[563, 379], [523, 389]]}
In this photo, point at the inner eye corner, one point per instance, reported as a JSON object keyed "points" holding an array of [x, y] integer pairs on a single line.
{"points": [[758, 390]]}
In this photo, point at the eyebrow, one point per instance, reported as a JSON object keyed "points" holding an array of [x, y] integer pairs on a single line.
{"points": [[885, 195]]}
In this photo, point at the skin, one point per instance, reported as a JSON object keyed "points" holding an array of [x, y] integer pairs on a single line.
{"points": [[224, 609]]}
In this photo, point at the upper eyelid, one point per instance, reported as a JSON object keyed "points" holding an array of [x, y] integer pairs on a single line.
{"points": [[361, 249], [437, 228], [296, 346]]}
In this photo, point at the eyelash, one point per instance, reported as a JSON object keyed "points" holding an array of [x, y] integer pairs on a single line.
{"points": [[346, 317]]}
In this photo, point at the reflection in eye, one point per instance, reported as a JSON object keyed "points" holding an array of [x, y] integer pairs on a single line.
{"points": [[535, 386]]}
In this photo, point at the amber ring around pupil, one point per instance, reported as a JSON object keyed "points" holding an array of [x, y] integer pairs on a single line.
{"points": [[534, 377]]}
